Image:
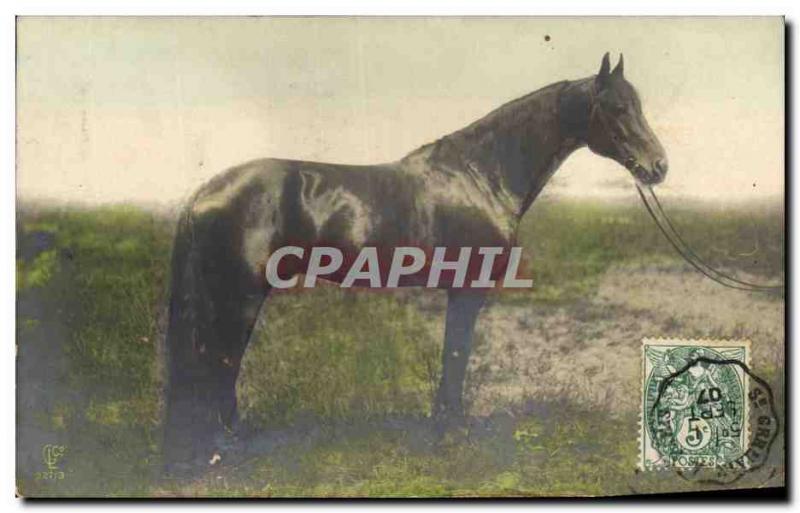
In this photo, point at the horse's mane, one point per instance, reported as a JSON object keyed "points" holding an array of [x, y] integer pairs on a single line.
{"points": [[510, 113]]}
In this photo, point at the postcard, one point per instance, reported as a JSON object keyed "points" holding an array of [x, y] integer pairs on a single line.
{"points": [[409, 257]]}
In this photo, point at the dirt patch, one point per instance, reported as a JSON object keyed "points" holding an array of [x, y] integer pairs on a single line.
{"points": [[701, 307], [588, 353]]}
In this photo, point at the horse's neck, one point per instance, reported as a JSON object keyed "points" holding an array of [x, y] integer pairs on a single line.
{"points": [[517, 148]]}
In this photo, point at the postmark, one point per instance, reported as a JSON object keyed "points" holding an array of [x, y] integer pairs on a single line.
{"points": [[704, 415]]}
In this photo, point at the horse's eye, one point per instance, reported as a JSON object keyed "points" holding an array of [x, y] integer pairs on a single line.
{"points": [[619, 109]]}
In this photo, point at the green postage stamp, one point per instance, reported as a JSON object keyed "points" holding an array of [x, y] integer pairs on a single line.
{"points": [[694, 403]]}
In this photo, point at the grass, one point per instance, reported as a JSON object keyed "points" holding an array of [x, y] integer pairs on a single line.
{"points": [[333, 367], [508, 460], [570, 244], [105, 278], [104, 275]]}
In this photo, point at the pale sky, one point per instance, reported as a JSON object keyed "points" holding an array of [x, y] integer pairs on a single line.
{"points": [[147, 109]]}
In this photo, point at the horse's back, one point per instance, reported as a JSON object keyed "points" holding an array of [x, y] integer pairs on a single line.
{"points": [[269, 174], [254, 208]]}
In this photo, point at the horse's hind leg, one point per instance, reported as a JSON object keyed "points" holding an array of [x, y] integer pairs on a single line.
{"points": [[463, 307], [215, 302]]}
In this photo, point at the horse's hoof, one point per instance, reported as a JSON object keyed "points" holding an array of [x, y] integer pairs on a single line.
{"points": [[223, 454], [184, 470], [450, 428], [229, 449], [218, 450]]}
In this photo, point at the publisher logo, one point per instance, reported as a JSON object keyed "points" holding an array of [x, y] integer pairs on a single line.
{"points": [[51, 456]]}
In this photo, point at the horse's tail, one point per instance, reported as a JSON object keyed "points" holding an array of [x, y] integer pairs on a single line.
{"points": [[183, 282], [214, 302], [182, 427]]}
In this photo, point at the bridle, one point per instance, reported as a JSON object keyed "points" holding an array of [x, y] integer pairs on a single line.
{"points": [[667, 228], [664, 224]]}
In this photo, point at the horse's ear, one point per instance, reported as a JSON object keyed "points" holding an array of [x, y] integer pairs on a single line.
{"points": [[619, 69], [603, 74]]}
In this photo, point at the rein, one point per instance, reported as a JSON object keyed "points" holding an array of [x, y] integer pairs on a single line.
{"points": [[664, 224]]}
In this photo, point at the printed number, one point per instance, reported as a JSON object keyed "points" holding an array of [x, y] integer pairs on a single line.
{"points": [[695, 437], [710, 395]]}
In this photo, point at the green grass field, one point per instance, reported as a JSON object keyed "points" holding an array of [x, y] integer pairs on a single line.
{"points": [[92, 303]]}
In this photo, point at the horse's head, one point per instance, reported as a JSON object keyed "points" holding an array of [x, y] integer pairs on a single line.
{"points": [[618, 129]]}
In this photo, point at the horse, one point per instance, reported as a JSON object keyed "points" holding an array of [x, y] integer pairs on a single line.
{"points": [[467, 189]]}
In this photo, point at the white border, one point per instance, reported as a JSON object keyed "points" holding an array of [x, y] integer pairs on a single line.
{"points": [[407, 7], [309, 7]]}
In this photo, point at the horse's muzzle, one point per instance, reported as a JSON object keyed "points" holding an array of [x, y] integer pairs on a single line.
{"points": [[652, 176], [660, 168]]}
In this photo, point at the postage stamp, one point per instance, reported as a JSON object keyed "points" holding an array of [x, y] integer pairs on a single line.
{"points": [[695, 411]]}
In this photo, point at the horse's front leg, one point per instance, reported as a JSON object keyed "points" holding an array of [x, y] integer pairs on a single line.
{"points": [[463, 307]]}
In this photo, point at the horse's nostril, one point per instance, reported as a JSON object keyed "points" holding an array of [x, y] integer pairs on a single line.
{"points": [[661, 167]]}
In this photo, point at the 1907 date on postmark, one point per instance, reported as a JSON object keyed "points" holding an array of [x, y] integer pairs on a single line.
{"points": [[704, 414]]}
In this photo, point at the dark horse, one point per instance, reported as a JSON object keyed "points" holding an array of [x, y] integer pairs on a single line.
{"points": [[470, 188]]}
